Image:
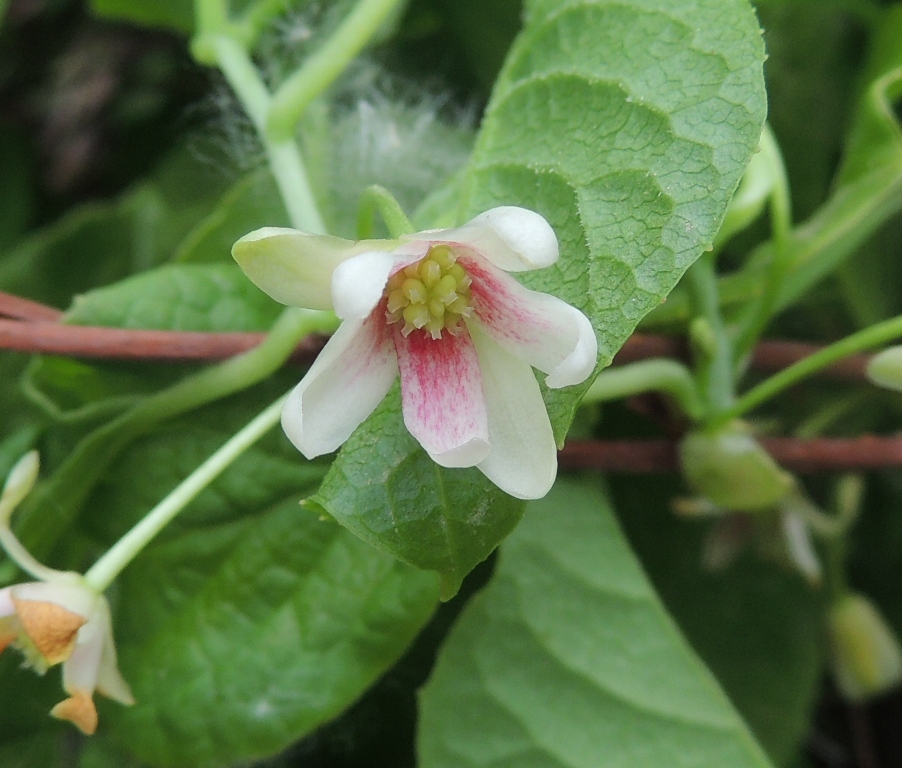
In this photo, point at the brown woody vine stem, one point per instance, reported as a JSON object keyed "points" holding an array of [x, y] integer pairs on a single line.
{"points": [[32, 327]]}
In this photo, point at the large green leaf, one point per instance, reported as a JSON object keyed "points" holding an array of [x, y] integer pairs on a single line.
{"points": [[390, 493], [758, 627], [251, 620], [568, 660], [179, 297], [628, 127], [867, 193]]}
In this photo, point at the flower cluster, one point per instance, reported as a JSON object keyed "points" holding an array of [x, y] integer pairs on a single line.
{"points": [[439, 309]]}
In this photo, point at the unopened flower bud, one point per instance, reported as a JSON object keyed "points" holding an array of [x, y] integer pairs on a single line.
{"points": [[730, 468], [865, 653], [885, 368], [19, 483]]}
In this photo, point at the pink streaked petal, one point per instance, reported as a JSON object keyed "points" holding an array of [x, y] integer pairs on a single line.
{"points": [[441, 396], [344, 385], [541, 329], [523, 459], [514, 239]]}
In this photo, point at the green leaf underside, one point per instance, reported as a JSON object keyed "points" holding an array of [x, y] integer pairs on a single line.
{"points": [[251, 620], [568, 660], [391, 494], [631, 150], [628, 126], [179, 297], [758, 627]]}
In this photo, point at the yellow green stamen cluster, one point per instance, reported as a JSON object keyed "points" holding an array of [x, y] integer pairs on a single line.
{"points": [[432, 294]]}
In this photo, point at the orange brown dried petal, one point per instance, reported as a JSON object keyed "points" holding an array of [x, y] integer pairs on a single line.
{"points": [[50, 627]]}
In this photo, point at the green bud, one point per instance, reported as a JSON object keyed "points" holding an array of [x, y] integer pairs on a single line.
{"points": [[885, 368], [865, 653], [730, 468], [702, 337], [19, 483]]}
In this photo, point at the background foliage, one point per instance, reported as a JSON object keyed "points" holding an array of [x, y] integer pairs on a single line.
{"points": [[255, 629]]}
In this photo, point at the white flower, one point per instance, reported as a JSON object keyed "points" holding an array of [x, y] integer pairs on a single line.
{"points": [[59, 619], [439, 308], [65, 622]]}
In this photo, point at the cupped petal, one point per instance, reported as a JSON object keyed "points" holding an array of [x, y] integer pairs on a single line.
{"points": [[514, 239], [295, 267], [359, 282], [541, 329], [81, 669], [523, 459], [441, 396], [79, 710], [346, 382], [7, 607], [71, 596], [101, 673], [109, 679]]}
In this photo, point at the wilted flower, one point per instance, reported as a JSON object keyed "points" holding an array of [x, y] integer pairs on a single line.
{"points": [[60, 619], [68, 623], [439, 308]]}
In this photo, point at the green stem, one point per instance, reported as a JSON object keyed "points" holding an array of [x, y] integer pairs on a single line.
{"points": [[211, 16], [24, 559], [322, 68], [714, 369], [108, 567], [283, 154], [254, 20], [869, 338], [379, 198], [51, 508], [761, 309], [659, 375]]}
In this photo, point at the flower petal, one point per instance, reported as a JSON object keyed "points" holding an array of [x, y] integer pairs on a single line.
{"points": [[523, 459], [441, 396], [344, 385], [79, 710], [539, 328], [514, 239], [81, 669], [109, 680], [50, 627], [359, 282], [294, 267], [71, 596]]}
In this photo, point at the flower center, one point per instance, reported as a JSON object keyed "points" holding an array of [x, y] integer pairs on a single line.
{"points": [[432, 294]]}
